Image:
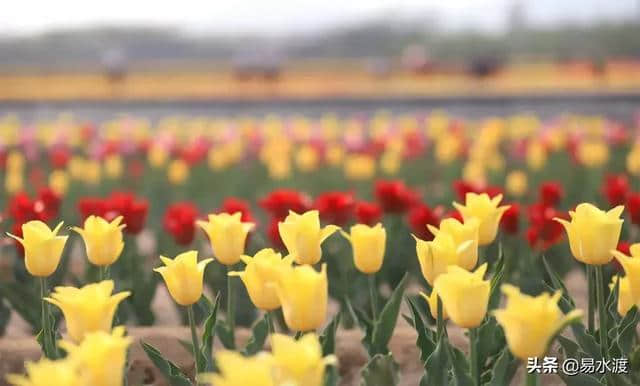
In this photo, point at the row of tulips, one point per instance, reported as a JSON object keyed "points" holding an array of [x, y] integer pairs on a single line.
{"points": [[454, 264]]}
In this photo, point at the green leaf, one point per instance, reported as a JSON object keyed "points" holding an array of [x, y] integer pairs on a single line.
{"points": [[5, 312], [224, 334], [461, 375], [491, 340], [586, 341], [496, 279], [259, 334], [570, 347], [328, 336], [504, 369], [612, 305], [626, 330], [365, 324], [437, 366], [382, 370], [331, 376], [384, 326], [424, 342], [557, 284], [208, 332], [168, 369], [23, 301]]}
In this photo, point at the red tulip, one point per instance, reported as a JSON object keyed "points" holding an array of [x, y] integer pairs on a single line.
{"points": [[633, 206], [368, 213], [419, 217], [179, 221], [274, 234], [47, 204], [133, 210], [394, 196], [463, 187], [233, 205], [335, 207], [453, 213], [279, 202], [510, 221], [543, 230], [88, 206], [551, 192], [616, 188], [59, 157]]}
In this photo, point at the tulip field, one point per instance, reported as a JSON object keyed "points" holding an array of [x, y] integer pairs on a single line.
{"points": [[506, 248]]}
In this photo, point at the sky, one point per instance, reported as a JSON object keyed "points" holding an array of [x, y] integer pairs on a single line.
{"points": [[294, 16]]}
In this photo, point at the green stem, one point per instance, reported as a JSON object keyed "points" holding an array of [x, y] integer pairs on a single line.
{"points": [[439, 319], [602, 312], [592, 298], [194, 339], [47, 336], [473, 354], [272, 327], [103, 273], [231, 312], [298, 335], [373, 297], [531, 379]]}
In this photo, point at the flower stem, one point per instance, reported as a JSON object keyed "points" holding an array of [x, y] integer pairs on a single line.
{"points": [[272, 327], [47, 336], [298, 335], [439, 319], [592, 300], [373, 296], [194, 339], [103, 273], [231, 312], [531, 379], [473, 353], [602, 312]]}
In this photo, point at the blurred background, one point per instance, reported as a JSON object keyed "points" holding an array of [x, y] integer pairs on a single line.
{"points": [[285, 50]]}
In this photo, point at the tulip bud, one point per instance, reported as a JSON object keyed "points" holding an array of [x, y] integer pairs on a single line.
{"points": [[261, 275], [368, 245], [303, 294], [302, 235], [42, 247], [530, 322], [486, 210], [299, 362], [87, 309], [464, 294], [183, 277], [102, 239], [227, 235], [100, 357], [593, 233]]}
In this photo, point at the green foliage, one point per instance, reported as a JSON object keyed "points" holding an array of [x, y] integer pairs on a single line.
{"points": [[381, 370], [169, 370]]}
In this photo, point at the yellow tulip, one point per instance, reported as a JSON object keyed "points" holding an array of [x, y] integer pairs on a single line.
{"points": [[238, 370], [432, 302], [261, 275], [436, 255], [13, 181], [227, 235], [15, 161], [46, 372], [59, 181], [303, 294], [464, 294], [461, 232], [299, 362], [536, 155], [631, 265], [177, 172], [593, 233], [307, 158], [625, 296], [448, 148], [87, 309], [633, 161], [42, 247], [390, 162], [359, 167], [113, 166], [100, 357], [157, 156], [279, 168], [593, 153], [516, 183], [102, 239], [91, 172], [334, 154], [368, 245], [302, 235], [183, 276], [530, 322], [487, 211]]}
